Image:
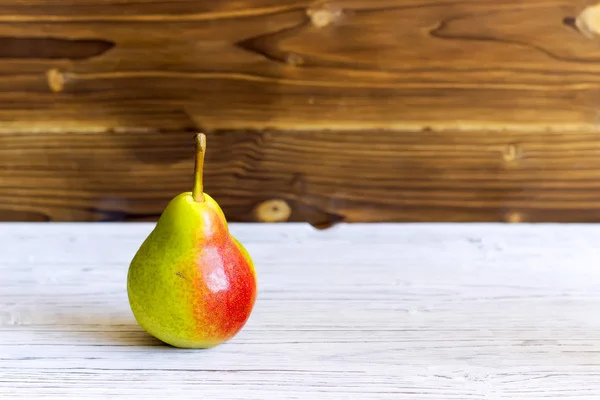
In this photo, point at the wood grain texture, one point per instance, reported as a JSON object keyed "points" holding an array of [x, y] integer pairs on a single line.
{"points": [[320, 177], [403, 312], [294, 64], [343, 110]]}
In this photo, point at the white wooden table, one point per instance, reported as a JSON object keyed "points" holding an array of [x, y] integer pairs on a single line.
{"points": [[405, 311]]}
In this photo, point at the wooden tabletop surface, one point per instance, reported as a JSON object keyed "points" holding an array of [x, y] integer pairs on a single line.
{"points": [[388, 311]]}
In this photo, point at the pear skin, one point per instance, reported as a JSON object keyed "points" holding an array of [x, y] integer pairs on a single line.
{"points": [[191, 284]]}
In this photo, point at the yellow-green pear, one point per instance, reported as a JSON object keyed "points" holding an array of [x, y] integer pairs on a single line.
{"points": [[191, 284]]}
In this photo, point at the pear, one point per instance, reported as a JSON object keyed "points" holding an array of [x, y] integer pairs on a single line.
{"points": [[191, 284]]}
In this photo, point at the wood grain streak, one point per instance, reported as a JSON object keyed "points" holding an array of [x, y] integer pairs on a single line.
{"points": [[50, 48], [403, 312], [319, 177], [293, 64]]}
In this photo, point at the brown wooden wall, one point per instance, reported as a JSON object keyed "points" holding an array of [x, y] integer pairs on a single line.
{"points": [[319, 111]]}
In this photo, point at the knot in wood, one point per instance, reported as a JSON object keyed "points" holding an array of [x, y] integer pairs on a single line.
{"points": [[323, 16], [588, 21], [294, 59], [514, 217], [56, 80], [511, 153], [275, 210]]}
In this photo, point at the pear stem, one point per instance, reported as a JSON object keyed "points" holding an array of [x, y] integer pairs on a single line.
{"points": [[198, 192]]}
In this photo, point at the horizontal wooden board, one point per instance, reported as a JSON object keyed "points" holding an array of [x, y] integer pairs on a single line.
{"points": [[319, 177], [299, 65]]}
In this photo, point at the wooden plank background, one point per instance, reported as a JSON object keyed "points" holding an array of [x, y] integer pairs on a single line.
{"points": [[380, 110]]}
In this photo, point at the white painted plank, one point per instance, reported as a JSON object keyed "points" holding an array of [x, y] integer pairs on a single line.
{"points": [[380, 311]]}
